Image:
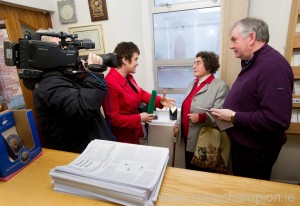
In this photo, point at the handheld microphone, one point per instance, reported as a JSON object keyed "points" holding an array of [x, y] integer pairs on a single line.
{"points": [[151, 104], [150, 110]]}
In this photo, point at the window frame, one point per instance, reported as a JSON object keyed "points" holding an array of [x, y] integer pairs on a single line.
{"points": [[175, 62]]}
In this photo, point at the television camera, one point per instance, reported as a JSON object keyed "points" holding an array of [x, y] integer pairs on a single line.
{"points": [[34, 57]]}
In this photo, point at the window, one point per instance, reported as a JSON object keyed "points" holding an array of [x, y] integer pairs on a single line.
{"points": [[170, 2], [181, 29]]}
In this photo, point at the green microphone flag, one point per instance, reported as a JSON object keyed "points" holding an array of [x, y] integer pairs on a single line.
{"points": [[151, 104]]}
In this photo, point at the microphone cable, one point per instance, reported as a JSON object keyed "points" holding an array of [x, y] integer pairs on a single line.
{"points": [[108, 98]]}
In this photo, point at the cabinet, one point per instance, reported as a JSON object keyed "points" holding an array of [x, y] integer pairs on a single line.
{"points": [[292, 53]]}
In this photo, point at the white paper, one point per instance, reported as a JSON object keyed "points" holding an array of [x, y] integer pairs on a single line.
{"points": [[222, 125], [118, 172]]}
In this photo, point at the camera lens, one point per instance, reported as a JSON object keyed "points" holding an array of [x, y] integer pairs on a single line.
{"points": [[109, 59]]}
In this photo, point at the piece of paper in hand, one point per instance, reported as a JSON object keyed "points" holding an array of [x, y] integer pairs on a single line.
{"points": [[222, 125]]}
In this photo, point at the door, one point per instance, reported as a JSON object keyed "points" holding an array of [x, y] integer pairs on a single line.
{"points": [[13, 23]]}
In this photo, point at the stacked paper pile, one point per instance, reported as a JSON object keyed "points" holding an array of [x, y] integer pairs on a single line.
{"points": [[127, 174]]}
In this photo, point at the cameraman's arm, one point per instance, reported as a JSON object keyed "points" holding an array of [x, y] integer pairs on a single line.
{"points": [[95, 79]]}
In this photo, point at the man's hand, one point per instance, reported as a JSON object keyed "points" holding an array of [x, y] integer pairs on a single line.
{"points": [[222, 114]]}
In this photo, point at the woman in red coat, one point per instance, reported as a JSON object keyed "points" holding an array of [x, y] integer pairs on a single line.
{"points": [[124, 97]]}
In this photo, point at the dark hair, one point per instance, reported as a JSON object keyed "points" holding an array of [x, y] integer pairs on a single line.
{"points": [[210, 61], [125, 50]]}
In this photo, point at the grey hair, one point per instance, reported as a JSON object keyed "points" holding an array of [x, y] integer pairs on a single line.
{"points": [[251, 24], [46, 31]]}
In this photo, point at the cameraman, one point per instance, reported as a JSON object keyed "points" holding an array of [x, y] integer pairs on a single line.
{"points": [[67, 107]]}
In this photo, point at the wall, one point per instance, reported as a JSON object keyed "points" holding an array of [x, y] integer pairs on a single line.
{"points": [[277, 17], [125, 23], [128, 21]]}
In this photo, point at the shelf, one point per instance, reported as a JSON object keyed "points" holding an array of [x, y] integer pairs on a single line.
{"points": [[292, 47], [296, 71], [294, 128], [296, 41], [296, 105]]}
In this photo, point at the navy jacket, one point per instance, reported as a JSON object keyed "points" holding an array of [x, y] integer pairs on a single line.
{"points": [[262, 99]]}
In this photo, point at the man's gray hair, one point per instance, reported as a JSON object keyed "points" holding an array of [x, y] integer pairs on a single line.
{"points": [[251, 24]]}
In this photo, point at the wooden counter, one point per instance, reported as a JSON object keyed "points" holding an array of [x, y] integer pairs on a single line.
{"points": [[32, 187]]}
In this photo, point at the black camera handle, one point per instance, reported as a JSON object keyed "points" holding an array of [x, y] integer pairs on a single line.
{"points": [[97, 67]]}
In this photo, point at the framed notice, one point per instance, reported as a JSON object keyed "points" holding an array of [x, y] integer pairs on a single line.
{"points": [[98, 10], [67, 11], [92, 32]]}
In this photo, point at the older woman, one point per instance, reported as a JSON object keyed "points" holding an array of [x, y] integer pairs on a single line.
{"points": [[204, 91]]}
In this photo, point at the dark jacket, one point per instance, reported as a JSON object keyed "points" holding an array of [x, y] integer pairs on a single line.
{"points": [[68, 111], [262, 99]]}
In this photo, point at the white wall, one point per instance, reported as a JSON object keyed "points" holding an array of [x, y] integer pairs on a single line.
{"points": [[125, 23], [129, 21], [276, 14]]}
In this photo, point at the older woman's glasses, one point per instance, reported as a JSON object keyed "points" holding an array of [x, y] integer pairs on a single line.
{"points": [[198, 63]]}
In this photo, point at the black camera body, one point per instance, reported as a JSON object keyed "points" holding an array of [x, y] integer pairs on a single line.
{"points": [[34, 57]]}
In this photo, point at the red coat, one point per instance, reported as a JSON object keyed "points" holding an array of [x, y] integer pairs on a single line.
{"points": [[122, 103]]}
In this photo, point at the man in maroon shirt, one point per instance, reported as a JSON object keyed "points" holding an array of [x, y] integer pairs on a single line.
{"points": [[259, 103]]}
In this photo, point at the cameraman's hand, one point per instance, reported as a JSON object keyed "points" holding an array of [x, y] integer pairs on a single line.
{"points": [[92, 59]]}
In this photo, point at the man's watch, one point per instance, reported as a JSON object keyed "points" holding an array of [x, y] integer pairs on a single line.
{"points": [[232, 117]]}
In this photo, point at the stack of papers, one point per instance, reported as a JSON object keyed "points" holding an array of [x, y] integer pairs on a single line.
{"points": [[127, 174]]}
